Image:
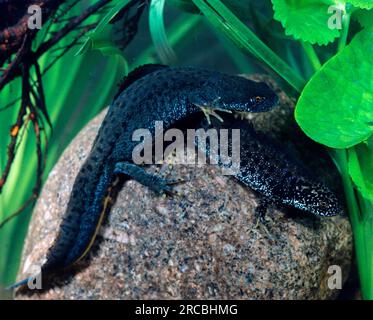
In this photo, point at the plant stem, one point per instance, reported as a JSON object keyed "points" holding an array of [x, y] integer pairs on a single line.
{"points": [[361, 229], [312, 55], [345, 28]]}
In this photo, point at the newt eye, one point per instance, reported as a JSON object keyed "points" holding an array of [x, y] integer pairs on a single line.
{"points": [[258, 99]]}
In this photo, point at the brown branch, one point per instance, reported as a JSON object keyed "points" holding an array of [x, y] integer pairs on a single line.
{"points": [[14, 67], [11, 38], [13, 70]]}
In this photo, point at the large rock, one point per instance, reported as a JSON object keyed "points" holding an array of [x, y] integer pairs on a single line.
{"points": [[201, 245]]}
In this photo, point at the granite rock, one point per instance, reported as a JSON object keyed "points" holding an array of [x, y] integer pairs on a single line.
{"points": [[203, 244]]}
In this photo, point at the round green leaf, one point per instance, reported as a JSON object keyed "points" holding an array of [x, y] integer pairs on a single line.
{"points": [[306, 20], [364, 4], [336, 106]]}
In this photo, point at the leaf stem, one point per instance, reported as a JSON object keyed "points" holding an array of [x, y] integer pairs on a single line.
{"points": [[312, 55], [345, 29]]}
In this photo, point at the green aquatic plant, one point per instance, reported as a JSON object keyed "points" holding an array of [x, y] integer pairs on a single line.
{"points": [[70, 85], [321, 52]]}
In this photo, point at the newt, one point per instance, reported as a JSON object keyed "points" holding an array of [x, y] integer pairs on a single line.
{"points": [[150, 93]]}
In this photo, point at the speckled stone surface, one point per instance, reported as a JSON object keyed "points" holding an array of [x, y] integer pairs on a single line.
{"points": [[203, 244]]}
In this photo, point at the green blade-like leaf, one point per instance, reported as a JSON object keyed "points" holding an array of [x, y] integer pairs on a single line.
{"points": [[306, 20], [102, 25], [336, 106], [158, 33]]}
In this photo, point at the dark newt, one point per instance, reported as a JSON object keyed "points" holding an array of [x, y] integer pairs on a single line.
{"points": [[150, 93], [275, 173]]}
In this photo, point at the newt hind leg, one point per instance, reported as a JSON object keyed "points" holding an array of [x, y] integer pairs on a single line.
{"points": [[154, 182]]}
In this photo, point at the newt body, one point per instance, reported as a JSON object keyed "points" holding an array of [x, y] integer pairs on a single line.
{"points": [[169, 95], [151, 93]]}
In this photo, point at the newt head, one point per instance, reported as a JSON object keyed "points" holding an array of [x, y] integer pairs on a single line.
{"points": [[243, 95], [316, 198], [263, 98]]}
